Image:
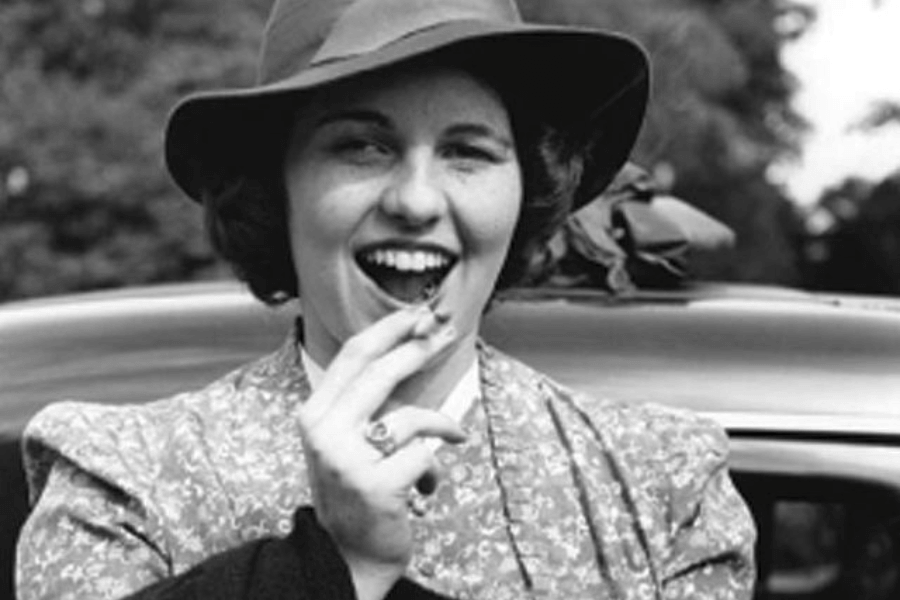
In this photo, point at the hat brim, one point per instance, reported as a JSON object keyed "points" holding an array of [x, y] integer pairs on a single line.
{"points": [[583, 81]]}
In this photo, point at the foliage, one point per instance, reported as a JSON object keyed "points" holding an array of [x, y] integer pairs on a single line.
{"points": [[720, 114], [854, 238], [86, 87], [85, 202]]}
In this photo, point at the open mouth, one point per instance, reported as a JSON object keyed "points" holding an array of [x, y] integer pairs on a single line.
{"points": [[409, 274]]}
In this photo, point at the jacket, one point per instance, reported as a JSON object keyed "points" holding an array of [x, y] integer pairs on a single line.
{"points": [[554, 495]]}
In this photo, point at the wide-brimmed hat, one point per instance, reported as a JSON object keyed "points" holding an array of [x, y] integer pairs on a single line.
{"points": [[585, 82]]}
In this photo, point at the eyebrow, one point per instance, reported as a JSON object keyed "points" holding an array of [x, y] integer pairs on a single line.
{"points": [[381, 120], [360, 115], [480, 130]]}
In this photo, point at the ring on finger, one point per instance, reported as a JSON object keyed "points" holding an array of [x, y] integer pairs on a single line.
{"points": [[417, 503], [380, 437]]}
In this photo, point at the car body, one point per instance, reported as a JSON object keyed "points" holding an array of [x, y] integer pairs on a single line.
{"points": [[807, 385]]}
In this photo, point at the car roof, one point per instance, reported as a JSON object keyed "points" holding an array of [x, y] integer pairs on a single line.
{"points": [[729, 351], [754, 357]]}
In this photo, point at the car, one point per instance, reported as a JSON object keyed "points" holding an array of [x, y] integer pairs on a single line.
{"points": [[807, 386]]}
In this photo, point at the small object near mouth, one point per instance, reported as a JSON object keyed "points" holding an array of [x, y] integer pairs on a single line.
{"points": [[411, 275]]}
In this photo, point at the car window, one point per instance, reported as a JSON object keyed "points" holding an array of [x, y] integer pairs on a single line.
{"points": [[820, 547], [829, 539]]}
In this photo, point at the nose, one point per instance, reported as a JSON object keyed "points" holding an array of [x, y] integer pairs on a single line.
{"points": [[414, 197]]}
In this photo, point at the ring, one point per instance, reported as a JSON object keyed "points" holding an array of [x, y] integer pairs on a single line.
{"points": [[380, 437], [417, 503]]}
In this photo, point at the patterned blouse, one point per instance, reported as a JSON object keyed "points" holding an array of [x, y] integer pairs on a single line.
{"points": [[554, 495]]}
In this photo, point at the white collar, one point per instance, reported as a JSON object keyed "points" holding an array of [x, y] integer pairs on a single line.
{"points": [[458, 401]]}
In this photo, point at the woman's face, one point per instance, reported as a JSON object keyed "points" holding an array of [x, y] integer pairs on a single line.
{"points": [[402, 189]]}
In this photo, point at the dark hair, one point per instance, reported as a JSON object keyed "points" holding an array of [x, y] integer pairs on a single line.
{"points": [[246, 216]]}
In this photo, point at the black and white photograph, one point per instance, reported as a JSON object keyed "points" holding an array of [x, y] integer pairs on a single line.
{"points": [[449, 299]]}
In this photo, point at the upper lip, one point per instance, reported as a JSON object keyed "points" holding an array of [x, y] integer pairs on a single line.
{"points": [[408, 246]]}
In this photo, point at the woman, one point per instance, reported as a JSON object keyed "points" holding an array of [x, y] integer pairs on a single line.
{"points": [[395, 165]]}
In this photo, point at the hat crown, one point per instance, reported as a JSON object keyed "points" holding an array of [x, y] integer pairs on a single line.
{"points": [[305, 33]]}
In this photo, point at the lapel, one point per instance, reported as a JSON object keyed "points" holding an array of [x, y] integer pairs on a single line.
{"points": [[571, 541], [547, 525]]}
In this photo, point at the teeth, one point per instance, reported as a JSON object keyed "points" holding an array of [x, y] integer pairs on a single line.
{"points": [[407, 260]]}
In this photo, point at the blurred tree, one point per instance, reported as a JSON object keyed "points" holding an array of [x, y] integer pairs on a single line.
{"points": [[854, 238], [84, 201], [720, 114]]}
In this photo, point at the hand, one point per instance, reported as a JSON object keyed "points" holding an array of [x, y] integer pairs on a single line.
{"points": [[359, 493]]}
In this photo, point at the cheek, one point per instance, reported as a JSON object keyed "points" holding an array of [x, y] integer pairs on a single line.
{"points": [[321, 214], [494, 220]]}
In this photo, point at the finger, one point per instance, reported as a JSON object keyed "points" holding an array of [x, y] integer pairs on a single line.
{"points": [[426, 327], [366, 346], [413, 465], [410, 422], [374, 384]]}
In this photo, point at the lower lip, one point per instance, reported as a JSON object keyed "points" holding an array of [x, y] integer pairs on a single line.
{"points": [[393, 303]]}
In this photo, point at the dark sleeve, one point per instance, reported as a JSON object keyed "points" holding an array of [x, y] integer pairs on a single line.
{"points": [[306, 565]]}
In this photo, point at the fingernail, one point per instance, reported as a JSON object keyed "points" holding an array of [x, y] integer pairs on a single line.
{"points": [[459, 437], [418, 309], [424, 326]]}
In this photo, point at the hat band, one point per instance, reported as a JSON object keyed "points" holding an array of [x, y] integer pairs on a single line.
{"points": [[368, 25]]}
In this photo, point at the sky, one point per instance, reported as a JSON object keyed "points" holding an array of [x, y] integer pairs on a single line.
{"points": [[848, 59]]}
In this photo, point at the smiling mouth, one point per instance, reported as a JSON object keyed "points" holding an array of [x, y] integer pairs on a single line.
{"points": [[409, 274]]}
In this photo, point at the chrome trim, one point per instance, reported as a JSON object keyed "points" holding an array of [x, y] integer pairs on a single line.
{"points": [[801, 425]]}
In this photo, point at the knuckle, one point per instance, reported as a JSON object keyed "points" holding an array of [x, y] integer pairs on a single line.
{"points": [[360, 479], [380, 376], [398, 364], [358, 347], [331, 473], [308, 418], [322, 442], [314, 451]]}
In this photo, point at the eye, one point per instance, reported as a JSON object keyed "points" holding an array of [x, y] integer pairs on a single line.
{"points": [[361, 150], [471, 155]]}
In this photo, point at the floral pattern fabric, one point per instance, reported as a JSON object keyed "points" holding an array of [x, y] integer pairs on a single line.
{"points": [[554, 495]]}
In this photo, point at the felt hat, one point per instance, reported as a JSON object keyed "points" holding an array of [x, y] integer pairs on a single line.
{"points": [[586, 82]]}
